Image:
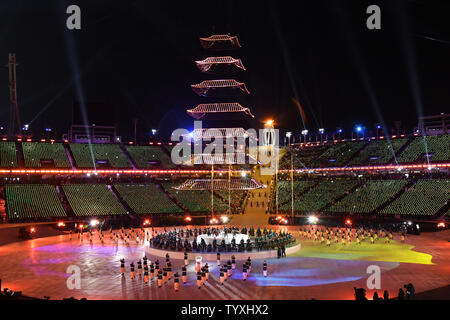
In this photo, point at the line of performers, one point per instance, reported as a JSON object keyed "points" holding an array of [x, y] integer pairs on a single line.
{"points": [[124, 236]]}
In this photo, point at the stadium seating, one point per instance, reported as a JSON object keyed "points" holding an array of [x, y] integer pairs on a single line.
{"points": [[319, 196], [438, 149], [378, 152], [338, 154], [196, 201], [92, 200], [33, 201], [144, 156], [284, 190], [33, 152], [109, 152], [370, 196], [146, 199], [426, 197], [8, 158], [236, 197], [304, 156]]}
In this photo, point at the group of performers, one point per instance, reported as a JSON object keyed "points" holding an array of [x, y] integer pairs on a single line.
{"points": [[149, 271], [186, 240], [346, 235]]}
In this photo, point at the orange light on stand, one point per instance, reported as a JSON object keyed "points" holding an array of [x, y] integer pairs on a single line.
{"points": [[32, 230], [213, 221], [81, 226], [61, 224], [441, 225], [146, 222], [188, 219], [348, 222], [278, 218]]}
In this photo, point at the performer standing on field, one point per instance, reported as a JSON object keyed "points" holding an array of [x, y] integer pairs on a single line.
{"points": [[139, 266], [132, 270], [244, 272], [160, 279], [176, 284], [183, 274], [222, 276], [152, 271], [199, 279], [145, 274], [122, 266], [265, 269]]}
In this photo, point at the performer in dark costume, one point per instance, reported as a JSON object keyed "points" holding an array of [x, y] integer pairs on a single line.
{"points": [[199, 279], [186, 261], [122, 266], [265, 269], [139, 266], [183, 274], [176, 284], [145, 274]]}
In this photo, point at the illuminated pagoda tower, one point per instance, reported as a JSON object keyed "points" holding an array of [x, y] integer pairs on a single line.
{"points": [[220, 88]]}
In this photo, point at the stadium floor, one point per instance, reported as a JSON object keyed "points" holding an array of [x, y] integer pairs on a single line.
{"points": [[38, 268]]}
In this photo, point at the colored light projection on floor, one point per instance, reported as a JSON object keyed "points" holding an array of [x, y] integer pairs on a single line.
{"points": [[304, 272], [380, 251]]}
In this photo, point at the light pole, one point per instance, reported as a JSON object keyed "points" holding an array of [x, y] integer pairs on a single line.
{"points": [[321, 131], [359, 129], [304, 133], [47, 132]]}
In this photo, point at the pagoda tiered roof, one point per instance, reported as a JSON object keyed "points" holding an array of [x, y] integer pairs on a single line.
{"points": [[220, 42], [225, 64], [220, 184], [202, 109], [221, 158], [214, 133], [211, 87]]}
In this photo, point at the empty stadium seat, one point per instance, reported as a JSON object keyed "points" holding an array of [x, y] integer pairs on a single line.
{"points": [[110, 153], [437, 147], [196, 201], [368, 197], [92, 200], [284, 190], [378, 152], [338, 154], [149, 156], [426, 197], [146, 198], [33, 201], [8, 157], [318, 196], [34, 152]]}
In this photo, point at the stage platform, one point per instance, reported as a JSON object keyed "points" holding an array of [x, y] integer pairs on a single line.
{"points": [[212, 256]]}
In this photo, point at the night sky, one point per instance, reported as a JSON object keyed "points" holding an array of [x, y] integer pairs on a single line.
{"points": [[137, 57]]}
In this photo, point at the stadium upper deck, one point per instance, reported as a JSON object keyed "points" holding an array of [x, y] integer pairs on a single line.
{"points": [[395, 150]]}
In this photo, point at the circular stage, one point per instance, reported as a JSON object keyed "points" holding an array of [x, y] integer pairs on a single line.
{"points": [[222, 236], [212, 256]]}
